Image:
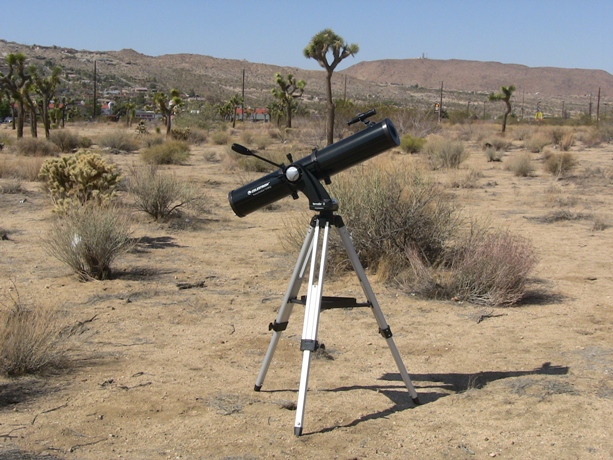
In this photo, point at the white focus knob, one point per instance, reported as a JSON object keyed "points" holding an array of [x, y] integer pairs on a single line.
{"points": [[292, 173]]}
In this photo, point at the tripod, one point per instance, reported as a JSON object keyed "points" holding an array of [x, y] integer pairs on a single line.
{"points": [[315, 302]]}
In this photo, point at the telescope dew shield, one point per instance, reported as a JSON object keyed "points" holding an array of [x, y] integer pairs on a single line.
{"points": [[359, 147]]}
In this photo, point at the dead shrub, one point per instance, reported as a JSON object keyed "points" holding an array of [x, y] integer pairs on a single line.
{"points": [[567, 141], [171, 152], [220, 138], [24, 168], [11, 186], [538, 141], [66, 140], [391, 208], [33, 338], [445, 153], [559, 164], [88, 239], [34, 147], [161, 195], [492, 268], [520, 165], [469, 179], [119, 140]]}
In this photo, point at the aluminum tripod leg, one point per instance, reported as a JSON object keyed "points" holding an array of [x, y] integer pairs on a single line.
{"points": [[384, 329], [311, 318], [280, 323]]}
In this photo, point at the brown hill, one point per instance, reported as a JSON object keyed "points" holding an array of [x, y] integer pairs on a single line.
{"points": [[484, 76]]}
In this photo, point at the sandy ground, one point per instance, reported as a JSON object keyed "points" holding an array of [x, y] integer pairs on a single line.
{"points": [[168, 373]]}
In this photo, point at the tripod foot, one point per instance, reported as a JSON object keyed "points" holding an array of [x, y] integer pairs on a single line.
{"points": [[257, 387], [298, 431], [416, 401]]}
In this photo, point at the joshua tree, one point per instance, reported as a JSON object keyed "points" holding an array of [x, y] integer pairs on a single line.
{"points": [[15, 82], [320, 45], [504, 95], [45, 87], [168, 105], [288, 91]]}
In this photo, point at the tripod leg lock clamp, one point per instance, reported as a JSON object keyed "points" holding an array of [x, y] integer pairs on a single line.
{"points": [[385, 333], [311, 345], [277, 327]]}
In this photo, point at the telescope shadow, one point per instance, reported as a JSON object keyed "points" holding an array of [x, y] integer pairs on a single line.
{"points": [[447, 384]]}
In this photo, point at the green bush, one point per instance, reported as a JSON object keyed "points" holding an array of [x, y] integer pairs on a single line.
{"points": [[445, 153], [34, 147], [168, 153], [78, 179], [412, 144], [88, 239]]}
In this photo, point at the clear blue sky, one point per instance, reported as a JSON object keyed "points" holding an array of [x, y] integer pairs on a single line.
{"points": [[536, 33]]}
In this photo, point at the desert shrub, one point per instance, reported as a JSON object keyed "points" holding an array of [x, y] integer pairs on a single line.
{"points": [[537, 142], [391, 208], [25, 168], [34, 147], [604, 132], [247, 137], [220, 138], [168, 153], [261, 142], [150, 141], [33, 338], [492, 268], [119, 140], [180, 134], [469, 179], [559, 164], [66, 140], [197, 136], [78, 179], [161, 195], [445, 153], [88, 239], [521, 165], [497, 143], [412, 144], [567, 141], [10, 186], [493, 155]]}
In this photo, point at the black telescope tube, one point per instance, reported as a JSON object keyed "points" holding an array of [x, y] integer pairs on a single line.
{"points": [[348, 152]]}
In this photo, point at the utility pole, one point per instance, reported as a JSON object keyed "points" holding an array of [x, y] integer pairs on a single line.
{"points": [[440, 107], [598, 107], [95, 89], [243, 103]]}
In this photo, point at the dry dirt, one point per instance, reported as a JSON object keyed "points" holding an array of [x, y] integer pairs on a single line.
{"points": [[168, 373]]}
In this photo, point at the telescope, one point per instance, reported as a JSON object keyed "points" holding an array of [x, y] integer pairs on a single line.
{"points": [[305, 174]]}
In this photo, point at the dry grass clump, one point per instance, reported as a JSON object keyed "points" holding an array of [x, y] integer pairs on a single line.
{"points": [[567, 141], [67, 141], [538, 141], [559, 164], [24, 168], [220, 138], [161, 195], [445, 153], [492, 268], [412, 144], [34, 147], [497, 143], [390, 208], [171, 152], [493, 155], [520, 165], [11, 186], [469, 179], [119, 140], [88, 239], [33, 338]]}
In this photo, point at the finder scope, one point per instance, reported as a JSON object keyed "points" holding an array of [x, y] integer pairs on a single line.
{"points": [[304, 175]]}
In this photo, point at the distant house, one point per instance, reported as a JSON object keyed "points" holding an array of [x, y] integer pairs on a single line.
{"points": [[257, 114]]}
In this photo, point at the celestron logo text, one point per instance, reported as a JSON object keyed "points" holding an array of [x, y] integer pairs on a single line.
{"points": [[259, 189]]}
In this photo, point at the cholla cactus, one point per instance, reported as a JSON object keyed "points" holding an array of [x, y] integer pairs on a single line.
{"points": [[79, 179]]}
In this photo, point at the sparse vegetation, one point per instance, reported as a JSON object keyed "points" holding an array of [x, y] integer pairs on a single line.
{"points": [[170, 152], [161, 194], [559, 164], [119, 140], [89, 238], [412, 144], [34, 147], [520, 164], [445, 153]]}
